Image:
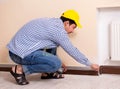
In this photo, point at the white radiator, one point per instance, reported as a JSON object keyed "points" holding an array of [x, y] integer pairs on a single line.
{"points": [[115, 41]]}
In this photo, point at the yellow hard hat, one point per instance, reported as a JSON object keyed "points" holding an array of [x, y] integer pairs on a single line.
{"points": [[73, 15]]}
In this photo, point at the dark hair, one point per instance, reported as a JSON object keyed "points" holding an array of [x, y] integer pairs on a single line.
{"points": [[67, 19]]}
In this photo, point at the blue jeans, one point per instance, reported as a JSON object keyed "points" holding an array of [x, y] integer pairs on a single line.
{"points": [[38, 62]]}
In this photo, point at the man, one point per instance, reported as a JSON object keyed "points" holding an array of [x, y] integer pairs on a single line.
{"points": [[34, 47]]}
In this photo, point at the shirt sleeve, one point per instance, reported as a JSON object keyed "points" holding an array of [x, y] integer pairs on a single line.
{"points": [[63, 40]]}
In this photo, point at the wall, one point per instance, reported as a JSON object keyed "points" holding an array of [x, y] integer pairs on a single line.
{"points": [[15, 13], [106, 16]]}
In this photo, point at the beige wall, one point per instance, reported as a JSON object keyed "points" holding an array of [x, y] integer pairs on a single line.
{"points": [[15, 13]]}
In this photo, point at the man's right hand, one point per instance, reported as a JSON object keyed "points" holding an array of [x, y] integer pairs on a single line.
{"points": [[95, 67]]}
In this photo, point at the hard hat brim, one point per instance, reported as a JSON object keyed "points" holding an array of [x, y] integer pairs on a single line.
{"points": [[78, 24]]}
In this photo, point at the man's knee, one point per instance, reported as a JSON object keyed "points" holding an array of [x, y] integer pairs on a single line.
{"points": [[57, 65]]}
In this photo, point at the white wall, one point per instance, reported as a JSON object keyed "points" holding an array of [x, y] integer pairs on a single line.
{"points": [[105, 17]]}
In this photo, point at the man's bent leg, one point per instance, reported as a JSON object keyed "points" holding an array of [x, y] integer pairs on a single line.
{"points": [[39, 62]]}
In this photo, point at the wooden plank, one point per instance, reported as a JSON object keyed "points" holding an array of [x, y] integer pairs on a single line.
{"points": [[81, 71], [6, 67], [107, 69], [71, 70]]}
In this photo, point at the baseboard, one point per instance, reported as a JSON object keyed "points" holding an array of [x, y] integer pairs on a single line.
{"points": [[107, 69], [80, 71], [6, 67], [77, 70], [71, 70]]}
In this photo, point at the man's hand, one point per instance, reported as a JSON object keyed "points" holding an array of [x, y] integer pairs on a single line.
{"points": [[64, 67], [95, 67]]}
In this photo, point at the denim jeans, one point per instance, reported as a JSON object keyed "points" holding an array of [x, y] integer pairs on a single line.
{"points": [[38, 61]]}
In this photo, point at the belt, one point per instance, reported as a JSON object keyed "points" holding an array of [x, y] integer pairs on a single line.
{"points": [[51, 50], [46, 50]]}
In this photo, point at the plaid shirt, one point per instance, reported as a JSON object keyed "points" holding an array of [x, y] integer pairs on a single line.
{"points": [[44, 33]]}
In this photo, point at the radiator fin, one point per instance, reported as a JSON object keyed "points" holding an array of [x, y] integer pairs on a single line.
{"points": [[115, 40]]}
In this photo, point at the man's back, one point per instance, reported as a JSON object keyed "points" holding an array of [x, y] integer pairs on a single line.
{"points": [[34, 35]]}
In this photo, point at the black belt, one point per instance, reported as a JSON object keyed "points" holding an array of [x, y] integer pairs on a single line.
{"points": [[51, 50], [46, 50]]}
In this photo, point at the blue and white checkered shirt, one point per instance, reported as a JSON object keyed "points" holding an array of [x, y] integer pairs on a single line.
{"points": [[44, 33]]}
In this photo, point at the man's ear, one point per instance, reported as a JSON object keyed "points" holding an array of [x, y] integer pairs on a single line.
{"points": [[66, 23]]}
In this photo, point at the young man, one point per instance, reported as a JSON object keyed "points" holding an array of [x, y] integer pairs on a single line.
{"points": [[33, 47]]}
